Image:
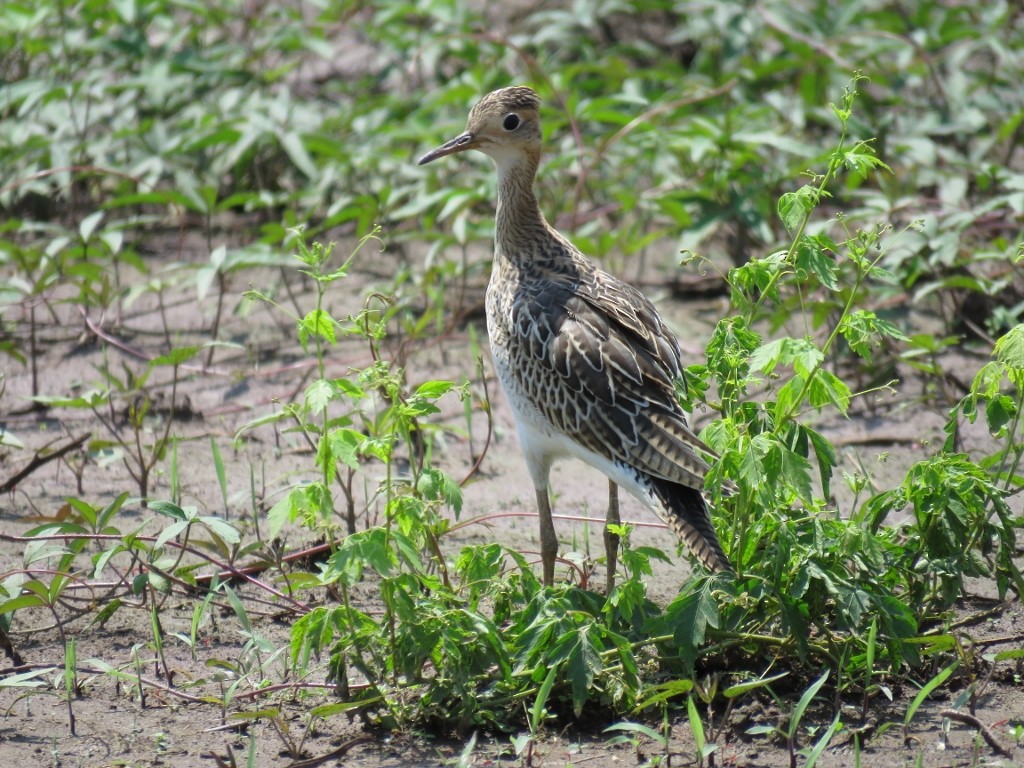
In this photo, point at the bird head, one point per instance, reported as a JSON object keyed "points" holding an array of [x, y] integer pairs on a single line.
{"points": [[504, 124]]}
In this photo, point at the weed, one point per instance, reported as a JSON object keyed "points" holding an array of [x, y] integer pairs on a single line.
{"points": [[129, 125]]}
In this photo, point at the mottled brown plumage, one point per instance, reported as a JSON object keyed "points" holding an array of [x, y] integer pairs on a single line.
{"points": [[586, 361]]}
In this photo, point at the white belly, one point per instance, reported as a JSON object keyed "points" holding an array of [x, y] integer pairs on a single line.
{"points": [[542, 444]]}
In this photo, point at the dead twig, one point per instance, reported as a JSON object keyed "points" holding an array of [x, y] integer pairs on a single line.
{"points": [[984, 730], [333, 754], [40, 460]]}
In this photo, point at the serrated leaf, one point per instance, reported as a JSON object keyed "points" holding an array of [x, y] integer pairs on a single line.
{"points": [[863, 329], [363, 548], [795, 471], [176, 356], [346, 444], [693, 612], [435, 485], [1009, 348], [814, 259], [802, 355], [317, 323], [434, 389], [825, 453], [286, 510], [582, 664], [828, 389], [999, 411], [318, 395], [794, 207]]}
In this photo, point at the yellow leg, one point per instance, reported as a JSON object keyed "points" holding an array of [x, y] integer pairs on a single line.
{"points": [[611, 540], [548, 540]]}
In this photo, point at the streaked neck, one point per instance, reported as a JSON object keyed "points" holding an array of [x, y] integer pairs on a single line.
{"points": [[519, 225]]}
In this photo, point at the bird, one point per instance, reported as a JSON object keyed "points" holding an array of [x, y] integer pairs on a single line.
{"points": [[587, 364]]}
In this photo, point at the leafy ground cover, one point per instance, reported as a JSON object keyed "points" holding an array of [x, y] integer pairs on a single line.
{"points": [[269, 486]]}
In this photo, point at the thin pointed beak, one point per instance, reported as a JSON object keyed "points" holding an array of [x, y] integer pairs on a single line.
{"points": [[459, 144]]}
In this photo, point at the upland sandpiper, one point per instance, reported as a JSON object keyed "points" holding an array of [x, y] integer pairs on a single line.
{"points": [[588, 365]]}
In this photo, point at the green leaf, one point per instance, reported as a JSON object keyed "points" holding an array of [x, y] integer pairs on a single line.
{"points": [[89, 224], [795, 471], [692, 613], [804, 702], [794, 207], [176, 356], [225, 530], [1009, 349], [346, 446], [317, 323], [696, 725], [22, 601], [318, 395], [927, 690], [543, 693], [168, 509], [239, 608], [825, 454], [814, 754], [1000, 411], [310, 501], [863, 330], [828, 389], [220, 471], [662, 692], [434, 389], [170, 532], [644, 730], [815, 255], [361, 549], [582, 662], [802, 354], [296, 150], [435, 485], [740, 688], [90, 399], [26, 679]]}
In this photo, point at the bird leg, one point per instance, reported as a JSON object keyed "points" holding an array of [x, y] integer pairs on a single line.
{"points": [[548, 539], [611, 540]]}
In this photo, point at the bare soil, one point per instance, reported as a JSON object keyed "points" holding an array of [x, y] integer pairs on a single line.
{"points": [[179, 721]]}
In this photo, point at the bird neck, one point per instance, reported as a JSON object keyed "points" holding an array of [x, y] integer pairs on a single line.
{"points": [[520, 231]]}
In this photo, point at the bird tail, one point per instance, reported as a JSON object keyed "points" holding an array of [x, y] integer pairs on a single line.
{"points": [[687, 515]]}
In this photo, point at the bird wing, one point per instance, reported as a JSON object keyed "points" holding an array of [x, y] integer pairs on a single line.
{"points": [[604, 370]]}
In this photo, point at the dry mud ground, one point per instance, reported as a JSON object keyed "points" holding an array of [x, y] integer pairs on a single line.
{"points": [[265, 368]]}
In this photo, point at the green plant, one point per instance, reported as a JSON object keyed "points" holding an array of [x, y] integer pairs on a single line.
{"points": [[630, 733], [792, 729], [155, 155]]}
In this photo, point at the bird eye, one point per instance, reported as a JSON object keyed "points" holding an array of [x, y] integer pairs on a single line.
{"points": [[511, 121]]}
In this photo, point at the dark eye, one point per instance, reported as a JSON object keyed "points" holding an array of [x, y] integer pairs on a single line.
{"points": [[511, 121]]}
